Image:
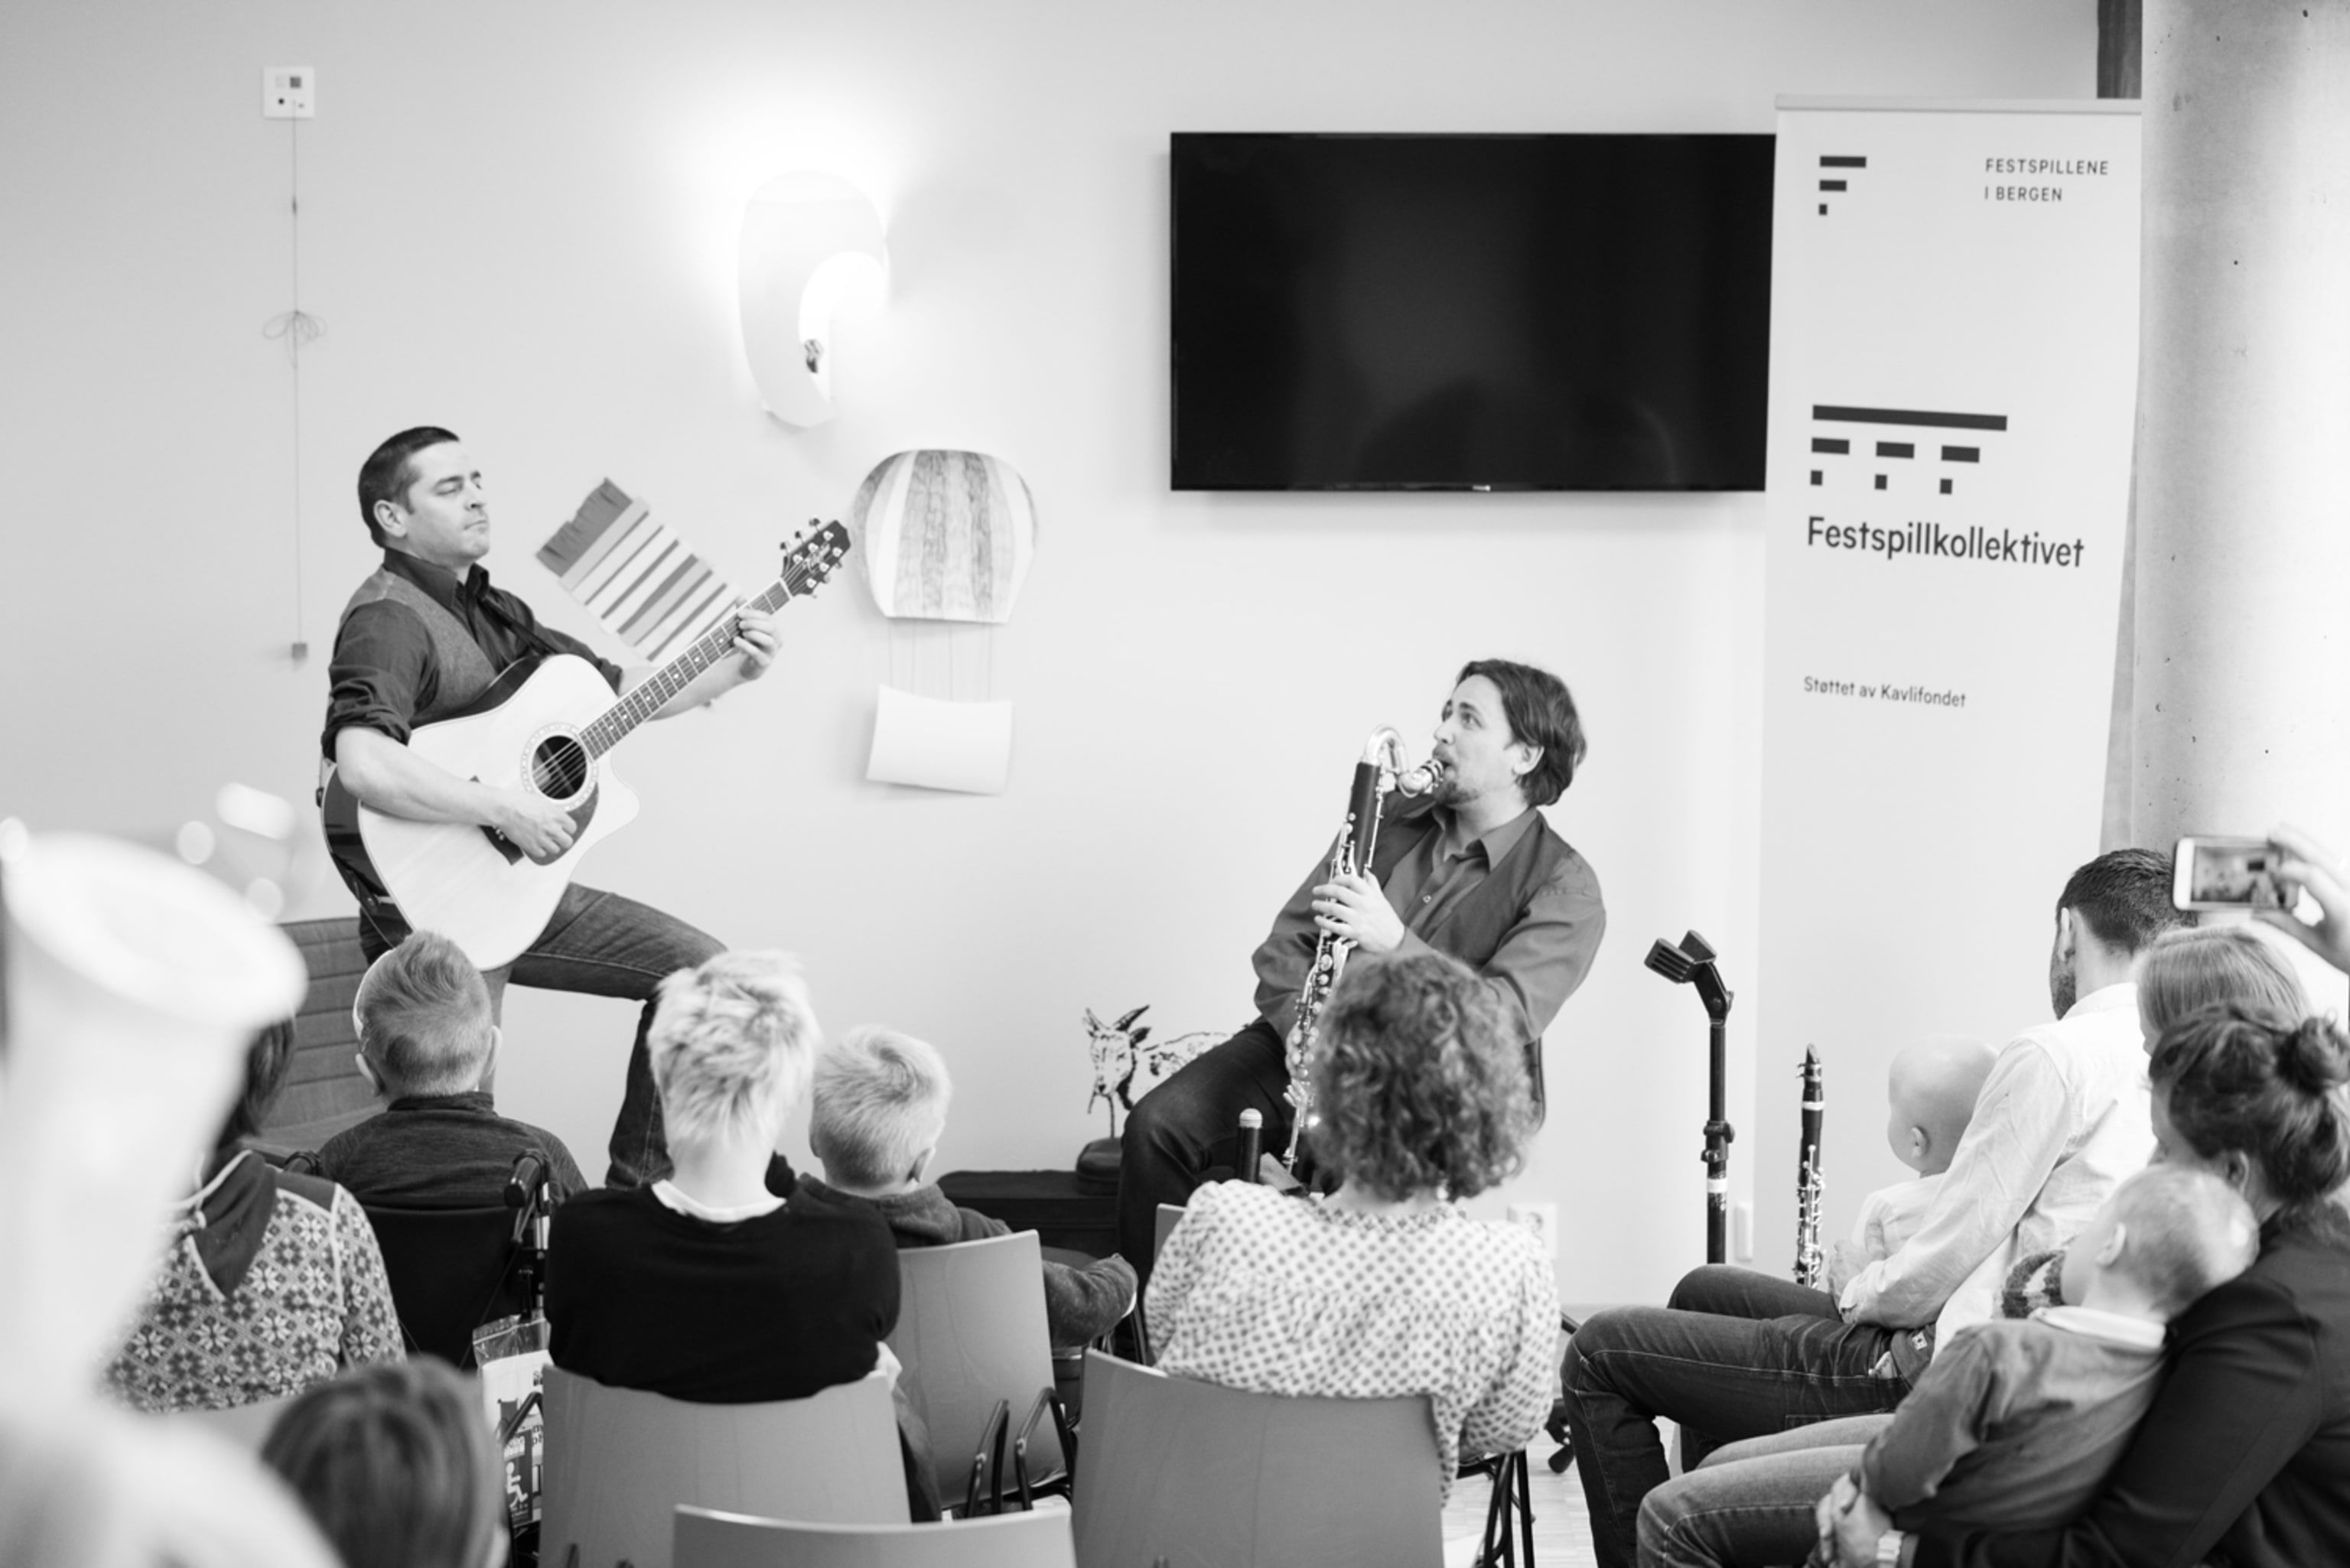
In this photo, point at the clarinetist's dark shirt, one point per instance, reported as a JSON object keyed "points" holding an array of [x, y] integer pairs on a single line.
{"points": [[1540, 959]]}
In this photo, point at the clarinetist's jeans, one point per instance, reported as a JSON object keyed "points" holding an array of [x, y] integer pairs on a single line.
{"points": [[1189, 1125], [1736, 1354]]}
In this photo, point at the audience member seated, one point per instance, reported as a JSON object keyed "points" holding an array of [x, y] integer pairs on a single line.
{"points": [[2244, 1457], [1931, 1093], [2013, 1424], [427, 1043], [2061, 1120], [879, 1108], [1386, 1287], [396, 1466], [271, 1284], [704, 1286], [2181, 972]]}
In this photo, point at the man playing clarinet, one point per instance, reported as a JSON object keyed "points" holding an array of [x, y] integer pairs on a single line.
{"points": [[1471, 869]]}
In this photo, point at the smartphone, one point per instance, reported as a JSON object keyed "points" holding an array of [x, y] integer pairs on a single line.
{"points": [[2228, 873]]}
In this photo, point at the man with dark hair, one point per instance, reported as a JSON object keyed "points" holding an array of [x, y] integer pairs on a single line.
{"points": [[1471, 869], [2062, 1119], [425, 635]]}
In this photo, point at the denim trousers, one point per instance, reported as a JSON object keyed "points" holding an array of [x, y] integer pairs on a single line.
{"points": [[1753, 1503], [1189, 1126], [600, 944], [1736, 1354]]}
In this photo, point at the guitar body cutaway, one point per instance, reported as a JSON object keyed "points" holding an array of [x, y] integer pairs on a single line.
{"points": [[465, 882]]}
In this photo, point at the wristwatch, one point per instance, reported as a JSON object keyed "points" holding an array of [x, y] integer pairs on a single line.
{"points": [[1888, 1548]]}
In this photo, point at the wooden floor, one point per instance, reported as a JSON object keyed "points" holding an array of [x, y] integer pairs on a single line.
{"points": [[1562, 1529]]}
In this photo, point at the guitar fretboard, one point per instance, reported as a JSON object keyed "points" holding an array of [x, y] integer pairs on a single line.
{"points": [[653, 693]]}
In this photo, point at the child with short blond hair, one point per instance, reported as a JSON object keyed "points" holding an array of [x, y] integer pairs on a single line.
{"points": [[879, 1108]]}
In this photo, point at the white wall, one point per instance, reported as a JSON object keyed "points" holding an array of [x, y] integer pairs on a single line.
{"points": [[519, 220]]}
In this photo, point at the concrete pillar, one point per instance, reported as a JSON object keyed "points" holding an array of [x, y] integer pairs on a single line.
{"points": [[2241, 690]]}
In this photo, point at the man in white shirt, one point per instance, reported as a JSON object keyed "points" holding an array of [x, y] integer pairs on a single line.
{"points": [[2061, 1120]]}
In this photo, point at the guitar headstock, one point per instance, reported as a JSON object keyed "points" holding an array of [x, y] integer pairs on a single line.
{"points": [[809, 557]]}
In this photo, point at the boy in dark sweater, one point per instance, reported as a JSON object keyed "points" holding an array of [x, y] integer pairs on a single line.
{"points": [[2015, 1423], [879, 1107], [426, 1042]]}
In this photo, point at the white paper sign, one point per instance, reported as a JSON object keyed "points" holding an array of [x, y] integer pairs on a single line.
{"points": [[938, 744]]}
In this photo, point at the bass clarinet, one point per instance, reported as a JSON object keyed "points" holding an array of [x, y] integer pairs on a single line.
{"points": [[1811, 1263], [1381, 771]]}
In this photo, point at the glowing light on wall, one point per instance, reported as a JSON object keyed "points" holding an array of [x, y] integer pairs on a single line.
{"points": [[810, 241]]}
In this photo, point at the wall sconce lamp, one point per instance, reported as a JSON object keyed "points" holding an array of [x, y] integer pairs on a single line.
{"points": [[810, 239]]}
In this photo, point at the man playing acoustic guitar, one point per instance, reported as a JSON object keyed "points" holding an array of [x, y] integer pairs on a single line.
{"points": [[424, 638]]}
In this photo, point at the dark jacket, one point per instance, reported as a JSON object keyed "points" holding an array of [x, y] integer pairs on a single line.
{"points": [[442, 1151]]}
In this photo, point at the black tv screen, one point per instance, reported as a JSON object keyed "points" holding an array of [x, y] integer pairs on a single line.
{"points": [[1470, 312]]}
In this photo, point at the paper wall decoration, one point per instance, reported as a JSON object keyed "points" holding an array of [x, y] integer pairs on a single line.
{"points": [[938, 744], [808, 239], [945, 535], [635, 575]]}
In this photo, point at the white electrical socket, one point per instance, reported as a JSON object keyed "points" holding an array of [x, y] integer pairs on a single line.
{"points": [[1542, 1219], [289, 92]]}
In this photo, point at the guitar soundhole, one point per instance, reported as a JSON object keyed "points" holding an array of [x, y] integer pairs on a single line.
{"points": [[559, 767]]}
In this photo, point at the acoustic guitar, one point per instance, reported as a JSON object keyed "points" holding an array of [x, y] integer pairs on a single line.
{"points": [[548, 725]]}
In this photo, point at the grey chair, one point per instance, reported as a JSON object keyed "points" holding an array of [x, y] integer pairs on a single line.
{"points": [[973, 1339], [1203, 1476], [619, 1461], [707, 1539]]}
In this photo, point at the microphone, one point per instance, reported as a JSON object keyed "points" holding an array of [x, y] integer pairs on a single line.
{"points": [[1251, 1144], [529, 1174]]}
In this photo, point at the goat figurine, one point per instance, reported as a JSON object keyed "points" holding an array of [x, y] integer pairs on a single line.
{"points": [[1119, 1057]]}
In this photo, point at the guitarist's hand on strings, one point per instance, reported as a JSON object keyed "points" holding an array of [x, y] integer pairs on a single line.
{"points": [[756, 641], [1352, 907], [532, 822]]}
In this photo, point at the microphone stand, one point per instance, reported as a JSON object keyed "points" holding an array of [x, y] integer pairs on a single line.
{"points": [[1692, 962]]}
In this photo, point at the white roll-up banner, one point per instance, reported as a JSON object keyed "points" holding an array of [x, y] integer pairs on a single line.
{"points": [[1953, 374]]}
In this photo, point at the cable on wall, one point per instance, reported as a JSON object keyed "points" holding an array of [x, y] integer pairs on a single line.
{"points": [[295, 327]]}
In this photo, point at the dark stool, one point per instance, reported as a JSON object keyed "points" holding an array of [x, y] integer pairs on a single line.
{"points": [[1045, 1202]]}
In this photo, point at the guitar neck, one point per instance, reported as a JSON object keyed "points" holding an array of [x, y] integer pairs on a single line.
{"points": [[653, 693]]}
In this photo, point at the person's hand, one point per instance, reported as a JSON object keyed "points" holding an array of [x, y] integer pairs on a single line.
{"points": [[532, 823], [756, 641], [1845, 1263], [1858, 1525], [1353, 907], [2308, 865]]}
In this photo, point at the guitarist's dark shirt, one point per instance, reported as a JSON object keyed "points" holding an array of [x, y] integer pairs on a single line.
{"points": [[384, 672]]}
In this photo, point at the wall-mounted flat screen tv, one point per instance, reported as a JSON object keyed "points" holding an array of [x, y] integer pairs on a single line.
{"points": [[1470, 312]]}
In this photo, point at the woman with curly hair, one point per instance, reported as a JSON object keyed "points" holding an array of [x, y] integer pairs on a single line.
{"points": [[1385, 1287]]}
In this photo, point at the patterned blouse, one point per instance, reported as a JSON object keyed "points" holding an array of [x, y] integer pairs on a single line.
{"points": [[271, 1283], [1258, 1290]]}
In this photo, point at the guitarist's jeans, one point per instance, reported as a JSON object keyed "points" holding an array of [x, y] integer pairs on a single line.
{"points": [[600, 944]]}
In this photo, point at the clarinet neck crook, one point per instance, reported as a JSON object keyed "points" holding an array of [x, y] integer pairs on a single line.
{"points": [[1384, 750]]}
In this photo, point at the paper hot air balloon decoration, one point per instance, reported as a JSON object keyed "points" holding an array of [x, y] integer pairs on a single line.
{"points": [[947, 536]]}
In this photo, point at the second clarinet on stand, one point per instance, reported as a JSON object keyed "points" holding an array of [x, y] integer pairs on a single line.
{"points": [[1811, 1263]]}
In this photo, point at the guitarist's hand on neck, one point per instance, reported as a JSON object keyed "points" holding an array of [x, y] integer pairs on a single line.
{"points": [[753, 653]]}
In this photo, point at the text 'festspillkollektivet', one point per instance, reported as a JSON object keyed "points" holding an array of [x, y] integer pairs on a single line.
{"points": [[1932, 540]]}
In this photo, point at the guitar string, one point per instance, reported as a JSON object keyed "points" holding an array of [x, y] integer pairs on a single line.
{"points": [[708, 649]]}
